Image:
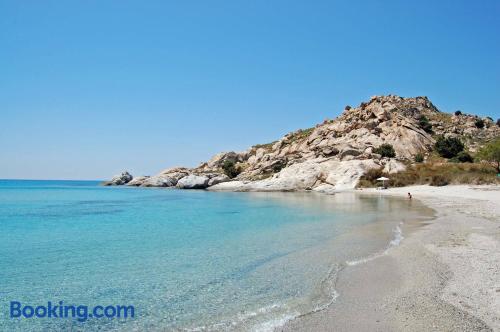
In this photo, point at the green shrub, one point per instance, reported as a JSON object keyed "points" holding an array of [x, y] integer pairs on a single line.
{"points": [[448, 147], [464, 157], [498, 122], [424, 124], [491, 154], [419, 158], [385, 150], [230, 169], [457, 113], [479, 123], [278, 167]]}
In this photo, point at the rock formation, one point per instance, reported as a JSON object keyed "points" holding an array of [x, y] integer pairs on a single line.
{"points": [[137, 181], [332, 155], [193, 181], [119, 179]]}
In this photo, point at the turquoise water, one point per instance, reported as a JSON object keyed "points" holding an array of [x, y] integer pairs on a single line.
{"points": [[186, 260]]}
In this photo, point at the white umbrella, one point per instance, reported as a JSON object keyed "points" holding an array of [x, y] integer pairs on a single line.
{"points": [[383, 179]]}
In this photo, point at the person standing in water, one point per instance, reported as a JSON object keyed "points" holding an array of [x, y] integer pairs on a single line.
{"points": [[409, 196]]}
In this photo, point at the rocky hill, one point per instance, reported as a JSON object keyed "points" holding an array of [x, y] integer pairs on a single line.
{"points": [[332, 155]]}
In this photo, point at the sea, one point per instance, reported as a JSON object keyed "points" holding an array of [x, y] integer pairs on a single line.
{"points": [[186, 260]]}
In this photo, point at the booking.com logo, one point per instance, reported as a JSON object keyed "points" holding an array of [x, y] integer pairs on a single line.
{"points": [[60, 310]]}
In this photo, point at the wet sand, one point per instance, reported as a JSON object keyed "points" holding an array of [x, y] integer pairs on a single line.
{"points": [[444, 276]]}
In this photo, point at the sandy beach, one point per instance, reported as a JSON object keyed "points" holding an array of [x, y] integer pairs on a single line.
{"points": [[444, 276]]}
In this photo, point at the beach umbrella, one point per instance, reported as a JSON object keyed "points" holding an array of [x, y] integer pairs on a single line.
{"points": [[383, 179]]}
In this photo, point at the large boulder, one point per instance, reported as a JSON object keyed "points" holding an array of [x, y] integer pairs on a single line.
{"points": [[393, 166], [218, 179], [137, 181], [166, 178], [119, 179], [176, 172], [295, 177], [325, 176], [345, 175], [231, 186], [349, 152], [325, 189], [193, 182], [159, 180]]}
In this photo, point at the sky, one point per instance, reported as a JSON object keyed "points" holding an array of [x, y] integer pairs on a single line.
{"points": [[91, 88]]}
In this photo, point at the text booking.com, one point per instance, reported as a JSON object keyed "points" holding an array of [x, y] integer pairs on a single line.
{"points": [[60, 310]]}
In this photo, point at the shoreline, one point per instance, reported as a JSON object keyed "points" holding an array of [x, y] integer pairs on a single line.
{"points": [[445, 274], [429, 282]]}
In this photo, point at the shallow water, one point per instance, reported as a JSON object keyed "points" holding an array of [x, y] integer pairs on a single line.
{"points": [[191, 260]]}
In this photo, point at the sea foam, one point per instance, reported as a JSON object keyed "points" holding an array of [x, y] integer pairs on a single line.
{"points": [[395, 241]]}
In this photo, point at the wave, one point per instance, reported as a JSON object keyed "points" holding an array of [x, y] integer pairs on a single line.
{"points": [[243, 318], [271, 317], [330, 294], [273, 324], [395, 241], [281, 313]]}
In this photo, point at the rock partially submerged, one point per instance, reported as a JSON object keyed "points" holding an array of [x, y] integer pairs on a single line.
{"points": [[159, 180], [137, 181], [218, 179], [166, 178], [193, 182], [119, 179]]}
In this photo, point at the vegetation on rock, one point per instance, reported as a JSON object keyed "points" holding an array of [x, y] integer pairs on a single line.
{"points": [[463, 157], [230, 169], [424, 124], [457, 113], [479, 123], [300, 134], [265, 146], [419, 158], [448, 147], [278, 167], [385, 150]]}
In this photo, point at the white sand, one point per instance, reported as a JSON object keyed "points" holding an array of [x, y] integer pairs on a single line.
{"points": [[445, 276]]}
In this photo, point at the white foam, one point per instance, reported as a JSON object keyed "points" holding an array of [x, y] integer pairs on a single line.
{"points": [[272, 324], [398, 237], [244, 317], [260, 311], [396, 241], [283, 311], [326, 305]]}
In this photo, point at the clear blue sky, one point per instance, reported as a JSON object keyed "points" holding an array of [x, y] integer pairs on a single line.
{"points": [[88, 88]]}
